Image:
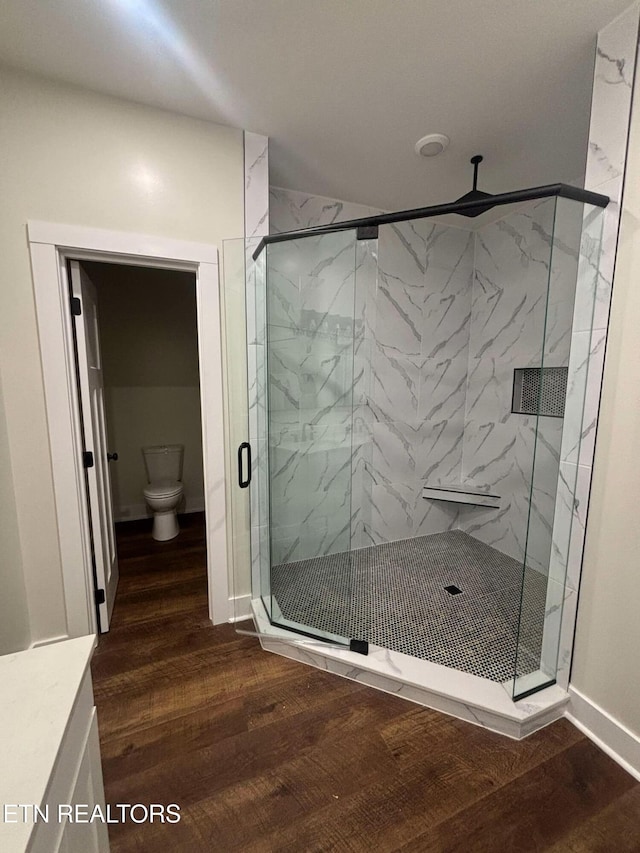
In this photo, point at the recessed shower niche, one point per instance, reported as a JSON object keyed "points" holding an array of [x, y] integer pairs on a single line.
{"points": [[389, 458]]}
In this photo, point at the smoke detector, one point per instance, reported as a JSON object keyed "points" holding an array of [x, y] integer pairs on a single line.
{"points": [[431, 145]]}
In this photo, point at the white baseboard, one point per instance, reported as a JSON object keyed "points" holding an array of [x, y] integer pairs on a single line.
{"points": [[135, 512], [240, 608], [59, 639], [614, 738]]}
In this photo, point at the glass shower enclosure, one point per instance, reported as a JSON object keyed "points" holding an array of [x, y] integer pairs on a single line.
{"points": [[411, 406]]}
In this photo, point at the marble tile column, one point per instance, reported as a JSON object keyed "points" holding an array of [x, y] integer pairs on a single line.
{"points": [[610, 114], [256, 226]]}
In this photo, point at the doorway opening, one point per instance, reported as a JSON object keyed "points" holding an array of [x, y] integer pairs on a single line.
{"points": [[51, 246], [137, 368]]}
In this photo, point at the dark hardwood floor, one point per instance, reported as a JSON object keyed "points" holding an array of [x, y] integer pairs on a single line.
{"points": [[265, 754]]}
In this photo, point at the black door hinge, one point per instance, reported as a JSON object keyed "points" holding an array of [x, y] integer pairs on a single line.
{"points": [[76, 306], [100, 596], [359, 646], [87, 459], [367, 232]]}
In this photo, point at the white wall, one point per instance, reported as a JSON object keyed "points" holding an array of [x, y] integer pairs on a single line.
{"points": [[14, 618], [605, 664], [149, 344], [76, 157]]}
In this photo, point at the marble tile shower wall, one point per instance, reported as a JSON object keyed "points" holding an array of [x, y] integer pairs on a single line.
{"points": [[431, 355], [311, 331], [407, 354], [419, 349], [290, 210], [316, 342], [521, 316]]}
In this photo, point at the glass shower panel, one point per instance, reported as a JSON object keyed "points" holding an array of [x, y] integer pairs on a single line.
{"points": [[256, 298], [310, 292], [243, 313], [559, 387], [233, 315]]}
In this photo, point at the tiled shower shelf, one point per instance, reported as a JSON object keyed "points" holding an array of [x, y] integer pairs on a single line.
{"points": [[477, 700], [321, 442], [461, 495]]}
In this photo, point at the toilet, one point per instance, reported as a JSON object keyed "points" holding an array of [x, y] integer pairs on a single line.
{"points": [[165, 490]]}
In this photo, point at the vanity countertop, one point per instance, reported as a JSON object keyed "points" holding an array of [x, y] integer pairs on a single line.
{"points": [[39, 690]]}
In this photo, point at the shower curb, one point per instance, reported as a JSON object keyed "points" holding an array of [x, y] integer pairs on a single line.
{"points": [[479, 701]]}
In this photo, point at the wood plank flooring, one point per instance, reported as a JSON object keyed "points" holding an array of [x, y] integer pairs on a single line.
{"points": [[264, 754]]}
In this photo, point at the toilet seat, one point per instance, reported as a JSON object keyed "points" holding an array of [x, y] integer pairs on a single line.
{"points": [[163, 489]]}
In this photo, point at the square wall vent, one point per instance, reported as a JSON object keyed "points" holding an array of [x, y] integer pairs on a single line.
{"points": [[540, 391]]}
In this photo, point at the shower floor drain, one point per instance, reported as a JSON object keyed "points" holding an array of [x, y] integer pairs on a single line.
{"points": [[453, 590]]}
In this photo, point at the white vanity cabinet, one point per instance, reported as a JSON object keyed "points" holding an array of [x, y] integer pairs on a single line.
{"points": [[49, 752]]}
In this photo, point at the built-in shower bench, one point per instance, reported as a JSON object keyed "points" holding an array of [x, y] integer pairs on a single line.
{"points": [[455, 493]]}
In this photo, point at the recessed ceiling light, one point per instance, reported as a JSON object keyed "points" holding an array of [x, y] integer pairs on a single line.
{"points": [[431, 144]]}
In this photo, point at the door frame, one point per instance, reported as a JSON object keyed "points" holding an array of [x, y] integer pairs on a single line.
{"points": [[50, 246]]}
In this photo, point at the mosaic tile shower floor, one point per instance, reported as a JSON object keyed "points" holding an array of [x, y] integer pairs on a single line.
{"points": [[393, 596]]}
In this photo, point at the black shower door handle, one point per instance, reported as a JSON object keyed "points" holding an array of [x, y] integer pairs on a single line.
{"points": [[242, 482]]}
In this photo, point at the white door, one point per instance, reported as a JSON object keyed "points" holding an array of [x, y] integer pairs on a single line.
{"points": [[95, 441]]}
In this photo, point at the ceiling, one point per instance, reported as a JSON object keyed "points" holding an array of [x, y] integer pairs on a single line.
{"points": [[344, 88]]}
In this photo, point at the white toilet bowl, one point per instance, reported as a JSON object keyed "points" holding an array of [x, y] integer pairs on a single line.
{"points": [[164, 499], [164, 491]]}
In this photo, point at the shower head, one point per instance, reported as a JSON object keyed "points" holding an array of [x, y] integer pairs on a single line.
{"points": [[475, 194]]}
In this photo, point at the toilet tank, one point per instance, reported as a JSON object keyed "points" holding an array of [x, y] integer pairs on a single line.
{"points": [[163, 462]]}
